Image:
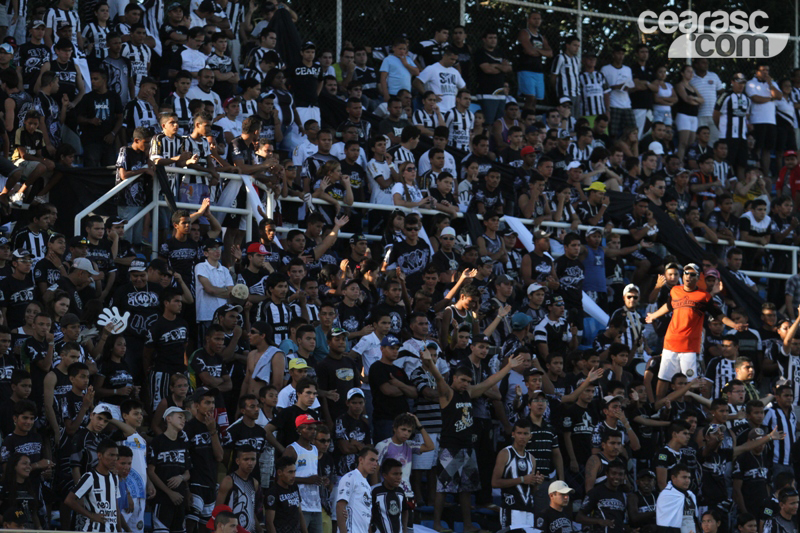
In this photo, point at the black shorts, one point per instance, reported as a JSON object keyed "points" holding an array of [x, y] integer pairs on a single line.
{"points": [[766, 135], [169, 518], [737, 153], [203, 500]]}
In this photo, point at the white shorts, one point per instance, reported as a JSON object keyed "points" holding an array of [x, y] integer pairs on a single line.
{"points": [[426, 460], [27, 166], [674, 362], [685, 122]]}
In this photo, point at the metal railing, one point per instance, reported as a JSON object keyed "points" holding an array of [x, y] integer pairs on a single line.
{"points": [[270, 203]]}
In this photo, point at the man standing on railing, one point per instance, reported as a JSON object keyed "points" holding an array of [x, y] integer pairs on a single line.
{"points": [[684, 336]]}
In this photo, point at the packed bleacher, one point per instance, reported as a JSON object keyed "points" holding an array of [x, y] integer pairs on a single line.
{"points": [[476, 286]]}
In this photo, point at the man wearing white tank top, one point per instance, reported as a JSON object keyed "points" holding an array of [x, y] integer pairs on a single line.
{"points": [[307, 477]]}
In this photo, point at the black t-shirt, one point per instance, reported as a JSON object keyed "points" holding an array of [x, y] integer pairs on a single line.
{"points": [[304, 83], [286, 504], [397, 313], [285, 423], [412, 259], [541, 267], [31, 57], [30, 445], [642, 99], [387, 509], [753, 471], [170, 458], [458, 424], [553, 521], [46, 271], [386, 407], [204, 465], [358, 180], [84, 449], [168, 340], [446, 261], [340, 375], [352, 318], [26, 498], [117, 376], [570, 274], [239, 435], [602, 502], [488, 83], [142, 304], [107, 107], [15, 295], [182, 257], [349, 428], [580, 421]]}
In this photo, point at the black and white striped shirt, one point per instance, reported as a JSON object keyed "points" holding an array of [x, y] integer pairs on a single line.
{"points": [[722, 171], [33, 242], [97, 35], [593, 87], [235, 12], [776, 417], [162, 147], [401, 155], [577, 154], [424, 119], [248, 108], [734, 109], [719, 371], [567, 68], [278, 317], [140, 114], [180, 105], [99, 494], [202, 148], [460, 125], [139, 56], [56, 15]]}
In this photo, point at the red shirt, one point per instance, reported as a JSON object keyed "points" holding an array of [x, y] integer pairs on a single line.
{"points": [[689, 308], [794, 179]]}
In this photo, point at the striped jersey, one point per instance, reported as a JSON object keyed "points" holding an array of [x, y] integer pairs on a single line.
{"points": [[734, 109], [720, 371], [139, 56], [425, 119], [278, 317], [180, 105], [776, 417], [593, 87], [576, 153], [722, 171], [56, 15], [96, 35], [99, 494], [163, 147], [567, 68], [460, 126]]}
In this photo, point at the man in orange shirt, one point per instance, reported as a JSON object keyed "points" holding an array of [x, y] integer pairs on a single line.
{"points": [[684, 337]]}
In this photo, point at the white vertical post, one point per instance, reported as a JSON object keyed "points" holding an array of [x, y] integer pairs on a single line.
{"points": [[248, 228], [796, 34], [269, 205], [462, 14], [579, 33], [154, 218], [794, 262], [338, 28]]}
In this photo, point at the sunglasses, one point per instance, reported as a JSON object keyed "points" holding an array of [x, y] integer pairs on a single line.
{"points": [[632, 297], [411, 168], [447, 238], [409, 228], [691, 274]]}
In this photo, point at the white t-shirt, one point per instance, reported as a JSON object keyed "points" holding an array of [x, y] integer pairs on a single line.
{"points": [[193, 61], [356, 491], [761, 113], [218, 277], [303, 151], [444, 82], [137, 479], [337, 151], [287, 397], [615, 76], [233, 126], [414, 194], [210, 96], [369, 347], [708, 86], [424, 163]]}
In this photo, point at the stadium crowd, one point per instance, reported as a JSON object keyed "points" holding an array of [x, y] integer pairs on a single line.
{"points": [[418, 371]]}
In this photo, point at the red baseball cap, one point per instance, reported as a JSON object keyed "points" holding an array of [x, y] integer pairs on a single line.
{"points": [[527, 150], [218, 509], [257, 248], [788, 153], [303, 420]]}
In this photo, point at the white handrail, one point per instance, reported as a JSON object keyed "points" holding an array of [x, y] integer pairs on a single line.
{"points": [[103, 199]]}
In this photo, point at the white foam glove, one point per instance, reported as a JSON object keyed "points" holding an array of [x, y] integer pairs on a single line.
{"points": [[112, 316]]}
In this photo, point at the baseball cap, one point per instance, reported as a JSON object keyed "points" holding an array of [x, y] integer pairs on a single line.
{"points": [[76, 241], [174, 5], [302, 420], [226, 308], [533, 371], [256, 248], [641, 198], [573, 164], [554, 300], [656, 147], [335, 332], [630, 287], [448, 231], [176, 409], [298, 363], [712, 273], [536, 393], [692, 266], [102, 409], [115, 221], [682, 171], [81, 263], [596, 186], [308, 45], [231, 100], [5, 242], [607, 400], [37, 23], [527, 150], [137, 265], [358, 237], [564, 100], [201, 392], [211, 243], [645, 473], [502, 279], [355, 391], [481, 339], [390, 340], [594, 229], [533, 287], [540, 234], [485, 259], [6, 48], [564, 134], [789, 153], [20, 253], [559, 486], [519, 321]]}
